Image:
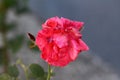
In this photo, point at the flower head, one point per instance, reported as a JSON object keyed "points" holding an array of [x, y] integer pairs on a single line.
{"points": [[60, 41]]}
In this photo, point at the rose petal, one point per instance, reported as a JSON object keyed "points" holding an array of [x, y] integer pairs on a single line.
{"points": [[41, 41], [51, 22], [83, 46], [47, 52], [60, 40], [74, 50], [78, 25]]}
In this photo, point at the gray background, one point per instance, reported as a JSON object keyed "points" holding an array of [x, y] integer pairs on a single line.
{"points": [[101, 33]]}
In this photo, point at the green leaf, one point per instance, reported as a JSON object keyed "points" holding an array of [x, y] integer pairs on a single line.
{"points": [[22, 10], [36, 70], [35, 49], [52, 74], [13, 71], [2, 18], [9, 27], [3, 59], [1, 56], [32, 46], [4, 77], [22, 7], [16, 43], [10, 3]]}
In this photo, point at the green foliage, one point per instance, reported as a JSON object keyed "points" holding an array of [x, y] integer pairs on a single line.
{"points": [[1, 56], [21, 10], [13, 71], [34, 70], [4, 77], [36, 49], [2, 17], [9, 3], [12, 44], [31, 43], [21, 6], [9, 27], [32, 46], [52, 74], [16, 43], [37, 70]]}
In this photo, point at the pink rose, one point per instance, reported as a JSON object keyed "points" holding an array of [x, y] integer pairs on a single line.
{"points": [[60, 41]]}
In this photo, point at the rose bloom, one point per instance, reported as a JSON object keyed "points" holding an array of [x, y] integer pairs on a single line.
{"points": [[60, 41]]}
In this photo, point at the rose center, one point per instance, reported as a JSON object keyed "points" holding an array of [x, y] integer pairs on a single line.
{"points": [[49, 40]]}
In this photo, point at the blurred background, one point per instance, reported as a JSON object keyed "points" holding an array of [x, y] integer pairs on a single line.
{"points": [[101, 33]]}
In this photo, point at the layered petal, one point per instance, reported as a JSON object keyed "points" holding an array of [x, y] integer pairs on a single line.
{"points": [[83, 46], [60, 41], [74, 50], [41, 40]]}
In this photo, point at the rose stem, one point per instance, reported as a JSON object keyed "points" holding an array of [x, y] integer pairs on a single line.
{"points": [[49, 72], [6, 56]]}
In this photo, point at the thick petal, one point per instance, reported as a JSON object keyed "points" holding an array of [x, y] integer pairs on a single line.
{"points": [[78, 24], [74, 50], [52, 22], [76, 32], [60, 40], [47, 32], [83, 46], [41, 41], [47, 52]]}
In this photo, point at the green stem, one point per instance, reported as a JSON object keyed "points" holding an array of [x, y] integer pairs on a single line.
{"points": [[6, 55], [14, 78], [25, 68], [49, 72], [26, 74]]}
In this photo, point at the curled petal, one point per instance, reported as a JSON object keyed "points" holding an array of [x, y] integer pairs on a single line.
{"points": [[83, 46], [51, 22], [74, 50], [78, 25], [41, 41]]}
